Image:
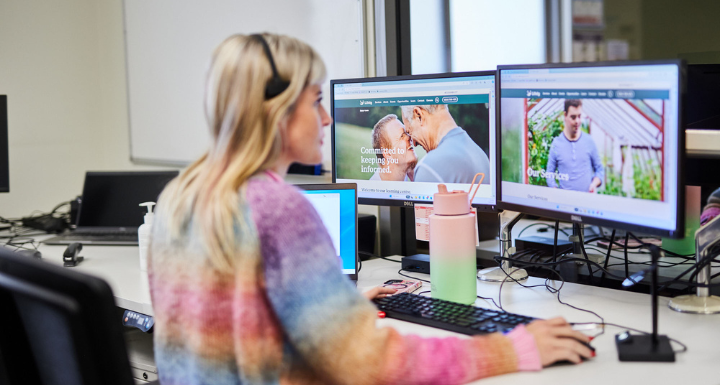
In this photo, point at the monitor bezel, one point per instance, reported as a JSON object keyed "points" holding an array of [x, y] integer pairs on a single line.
{"points": [[340, 186], [4, 146], [410, 202], [678, 231]]}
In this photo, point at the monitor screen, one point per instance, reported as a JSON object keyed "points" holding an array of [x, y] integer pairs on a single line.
{"points": [[598, 144], [399, 137], [111, 199], [4, 146], [336, 204]]}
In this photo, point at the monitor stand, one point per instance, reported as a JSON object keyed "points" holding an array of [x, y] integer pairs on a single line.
{"points": [[578, 239], [505, 272], [702, 302]]}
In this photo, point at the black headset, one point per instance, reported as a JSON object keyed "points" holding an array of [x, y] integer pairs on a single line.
{"points": [[276, 85]]}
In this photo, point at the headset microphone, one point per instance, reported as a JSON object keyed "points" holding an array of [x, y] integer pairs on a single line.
{"points": [[276, 85]]}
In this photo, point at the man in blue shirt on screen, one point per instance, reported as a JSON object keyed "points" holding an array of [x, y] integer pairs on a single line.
{"points": [[574, 162], [452, 156]]}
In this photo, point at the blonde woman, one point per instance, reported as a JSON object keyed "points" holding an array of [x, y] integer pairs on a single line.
{"points": [[245, 284]]}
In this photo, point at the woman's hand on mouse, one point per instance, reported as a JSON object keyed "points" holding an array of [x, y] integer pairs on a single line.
{"points": [[378, 292], [556, 341]]}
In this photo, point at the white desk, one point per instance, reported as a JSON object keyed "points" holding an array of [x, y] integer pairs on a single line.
{"points": [[700, 333], [120, 267]]}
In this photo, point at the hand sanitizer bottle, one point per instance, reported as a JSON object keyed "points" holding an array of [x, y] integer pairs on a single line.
{"points": [[144, 234], [453, 264]]}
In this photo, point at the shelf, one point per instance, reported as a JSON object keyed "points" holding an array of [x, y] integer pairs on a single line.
{"points": [[702, 143]]}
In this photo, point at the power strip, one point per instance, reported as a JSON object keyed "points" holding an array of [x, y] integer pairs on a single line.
{"points": [[46, 222]]}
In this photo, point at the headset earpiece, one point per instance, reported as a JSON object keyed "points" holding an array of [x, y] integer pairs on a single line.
{"points": [[276, 85]]}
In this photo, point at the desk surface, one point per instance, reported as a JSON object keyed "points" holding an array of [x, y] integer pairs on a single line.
{"points": [[120, 267], [699, 332]]}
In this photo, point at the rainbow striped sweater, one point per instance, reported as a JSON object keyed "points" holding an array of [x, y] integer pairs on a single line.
{"points": [[287, 314]]}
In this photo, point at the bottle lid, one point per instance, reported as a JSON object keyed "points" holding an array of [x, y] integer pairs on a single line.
{"points": [[450, 202], [149, 215]]}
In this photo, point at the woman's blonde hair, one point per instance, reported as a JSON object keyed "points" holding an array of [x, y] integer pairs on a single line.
{"points": [[247, 133]]}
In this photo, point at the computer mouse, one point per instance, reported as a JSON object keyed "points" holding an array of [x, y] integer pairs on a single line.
{"points": [[566, 362], [31, 253]]}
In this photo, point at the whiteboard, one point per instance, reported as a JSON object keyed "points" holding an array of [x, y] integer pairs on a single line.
{"points": [[168, 47]]}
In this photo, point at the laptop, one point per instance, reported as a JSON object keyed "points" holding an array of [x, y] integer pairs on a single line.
{"points": [[109, 213], [337, 206]]}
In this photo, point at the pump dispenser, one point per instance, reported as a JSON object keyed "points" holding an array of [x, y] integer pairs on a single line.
{"points": [[452, 245], [144, 234]]}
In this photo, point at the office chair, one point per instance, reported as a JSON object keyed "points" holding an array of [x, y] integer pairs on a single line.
{"points": [[58, 326]]}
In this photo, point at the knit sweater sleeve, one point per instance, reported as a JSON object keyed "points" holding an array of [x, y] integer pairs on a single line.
{"points": [[332, 326]]}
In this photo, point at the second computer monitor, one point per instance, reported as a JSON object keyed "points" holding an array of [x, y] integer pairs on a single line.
{"points": [[399, 137], [594, 143]]}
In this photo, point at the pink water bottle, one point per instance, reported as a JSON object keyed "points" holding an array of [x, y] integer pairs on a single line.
{"points": [[453, 265]]}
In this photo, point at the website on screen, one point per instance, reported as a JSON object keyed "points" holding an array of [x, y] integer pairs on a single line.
{"points": [[597, 141], [400, 139]]}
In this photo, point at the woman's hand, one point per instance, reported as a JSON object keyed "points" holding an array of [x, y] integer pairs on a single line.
{"points": [[378, 292], [556, 341]]}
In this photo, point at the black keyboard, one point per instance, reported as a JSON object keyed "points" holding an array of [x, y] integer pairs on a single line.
{"points": [[106, 233], [115, 238], [452, 316], [119, 237]]}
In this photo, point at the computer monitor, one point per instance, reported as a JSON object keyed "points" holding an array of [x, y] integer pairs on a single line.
{"points": [[596, 143], [4, 146], [336, 204], [399, 137]]}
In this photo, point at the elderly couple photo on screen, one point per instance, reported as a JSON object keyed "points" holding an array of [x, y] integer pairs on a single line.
{"points": [[452, 156]]}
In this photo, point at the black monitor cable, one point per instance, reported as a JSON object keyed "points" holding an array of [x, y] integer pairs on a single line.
{"points": [[625, 253], [582, 249], [697, 267], [555, 239], [371, 255], [407, 276], [705, 260], [548, 287], [607, 256], [602, 323], [640, 246]]}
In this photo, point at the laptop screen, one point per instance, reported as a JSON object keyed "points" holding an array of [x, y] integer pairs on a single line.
{"points": [[111, 199], [337, 206]]}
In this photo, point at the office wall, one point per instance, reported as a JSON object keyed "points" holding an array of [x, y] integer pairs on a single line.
{"points": [[62, 65]]}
